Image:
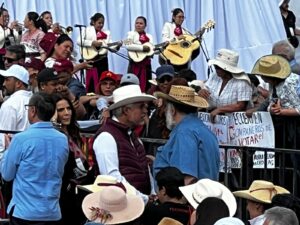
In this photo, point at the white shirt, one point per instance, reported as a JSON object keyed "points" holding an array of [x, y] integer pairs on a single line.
{"points": [[168, 31], [13, 116], [106, 151], [259, 220]]}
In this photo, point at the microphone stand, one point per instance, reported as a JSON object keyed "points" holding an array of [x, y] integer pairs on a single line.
{"points": [[167, 61], [81, 60], [209, 69]]}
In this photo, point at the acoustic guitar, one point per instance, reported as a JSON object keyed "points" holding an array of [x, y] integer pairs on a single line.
{"points": [[179, 51], [139, 55], [91, 52]]}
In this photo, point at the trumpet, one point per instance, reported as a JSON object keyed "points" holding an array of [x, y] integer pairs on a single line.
{"points": [[56, 28]]}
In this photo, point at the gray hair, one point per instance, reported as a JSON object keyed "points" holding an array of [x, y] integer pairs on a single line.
{"points": [[281, 216], [285, 49], [119, 111]]}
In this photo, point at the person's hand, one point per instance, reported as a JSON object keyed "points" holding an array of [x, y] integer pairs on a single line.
{"points": [[96, 44], [104, 116], [7, 140], [213, 114], [152, 198], [276, 108], [86, 65], [204, 93], [15, 25], [64, 91], [249, 113]]}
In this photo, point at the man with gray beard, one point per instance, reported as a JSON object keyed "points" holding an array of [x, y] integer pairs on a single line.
{"points": [[192, 147]]}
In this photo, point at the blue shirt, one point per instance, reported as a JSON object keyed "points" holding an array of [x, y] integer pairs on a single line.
{"points": [[35, 162], [192, 148]]}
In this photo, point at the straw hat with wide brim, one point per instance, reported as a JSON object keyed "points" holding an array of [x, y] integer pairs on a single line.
{"points": [[272, 66], [261, 191], [169, 221], [102, 181], [112, 206], [183, 95], [204, 188], [127, 95]]}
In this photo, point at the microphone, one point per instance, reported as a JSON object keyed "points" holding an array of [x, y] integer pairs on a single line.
{"points": [[79, 25]]}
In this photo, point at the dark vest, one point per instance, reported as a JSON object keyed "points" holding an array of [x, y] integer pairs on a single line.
{"points": [[132, 157]]}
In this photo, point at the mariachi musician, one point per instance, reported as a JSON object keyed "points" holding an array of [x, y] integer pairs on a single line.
{"points": [[142, 68], [94, 40], [174, 30]]}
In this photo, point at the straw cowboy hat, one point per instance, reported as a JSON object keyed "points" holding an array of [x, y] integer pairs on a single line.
{"points": [[183, 95], [228, 60], [261, 191], [169, 221], [129, 94], [102, 181], [204, 188], [272, 66], [112, 206]]}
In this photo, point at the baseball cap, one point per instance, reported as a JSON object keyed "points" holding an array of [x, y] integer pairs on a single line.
{"points": [[47, 74], [165, 70], [129, 78], [109, 75], [18, 72], [63, 65], [34, 63]]}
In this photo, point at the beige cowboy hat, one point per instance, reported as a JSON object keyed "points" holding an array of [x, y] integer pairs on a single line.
{"points": [[127, 95], [169, 221], [204, 188], [183, 95], [261, 191], [272, 66], [228, 60], [103, 181], [112, 206]]}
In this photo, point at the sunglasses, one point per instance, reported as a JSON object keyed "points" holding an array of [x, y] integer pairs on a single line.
{"points": [[165, 78], [9, 60]]}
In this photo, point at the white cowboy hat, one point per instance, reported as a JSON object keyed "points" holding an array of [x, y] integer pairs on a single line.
{"points": [[112, 206], [204, 188], [261, 191], [129, 94], [272, 66], [102, 181], [183, 95]]}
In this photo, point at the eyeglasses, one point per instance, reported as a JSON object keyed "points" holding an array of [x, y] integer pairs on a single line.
{"points": [[27, 106], [9, 60], [165, 78]]}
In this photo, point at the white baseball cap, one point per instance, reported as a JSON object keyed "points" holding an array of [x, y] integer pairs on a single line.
{"points": [[18, 72]]}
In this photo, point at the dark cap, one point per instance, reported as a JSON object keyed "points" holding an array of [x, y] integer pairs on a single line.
{"points": [[34, 63], [47, 74], [165, 70], [63, 65]]}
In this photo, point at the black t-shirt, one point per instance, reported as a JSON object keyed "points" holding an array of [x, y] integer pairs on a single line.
{"points": [[154, 212]]}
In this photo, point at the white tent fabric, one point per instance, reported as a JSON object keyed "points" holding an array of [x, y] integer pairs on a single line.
{"points": [[248, 27]]}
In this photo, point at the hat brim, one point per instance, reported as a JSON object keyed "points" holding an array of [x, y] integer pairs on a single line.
{"points": [[4, 73], [242, 76], [141, 98], [282, 74], [227, 196], [225, 66], [199, 102], [153, 81], [105, 179], [134, 209], [246, 194]]}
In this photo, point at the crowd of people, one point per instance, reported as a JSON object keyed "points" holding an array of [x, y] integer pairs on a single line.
{"points": [[49, 178]]}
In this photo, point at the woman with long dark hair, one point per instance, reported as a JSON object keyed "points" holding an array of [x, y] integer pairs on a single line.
{"points": [[76, 166], [36, 29]]}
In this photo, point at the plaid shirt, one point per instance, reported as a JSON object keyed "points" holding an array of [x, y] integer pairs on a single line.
{"points": [[234, 91]]}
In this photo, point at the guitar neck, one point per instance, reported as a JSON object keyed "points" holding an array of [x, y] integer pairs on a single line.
{"points": [[113, 43]]}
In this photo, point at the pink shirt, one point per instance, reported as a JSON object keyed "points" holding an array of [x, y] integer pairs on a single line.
{"points": [[32, 41]]}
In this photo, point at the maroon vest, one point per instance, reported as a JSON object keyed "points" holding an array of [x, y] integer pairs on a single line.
{"points": [[132, 157]]}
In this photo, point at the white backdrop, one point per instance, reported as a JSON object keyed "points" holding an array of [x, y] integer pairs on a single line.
{"points": [[247, 26]]}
